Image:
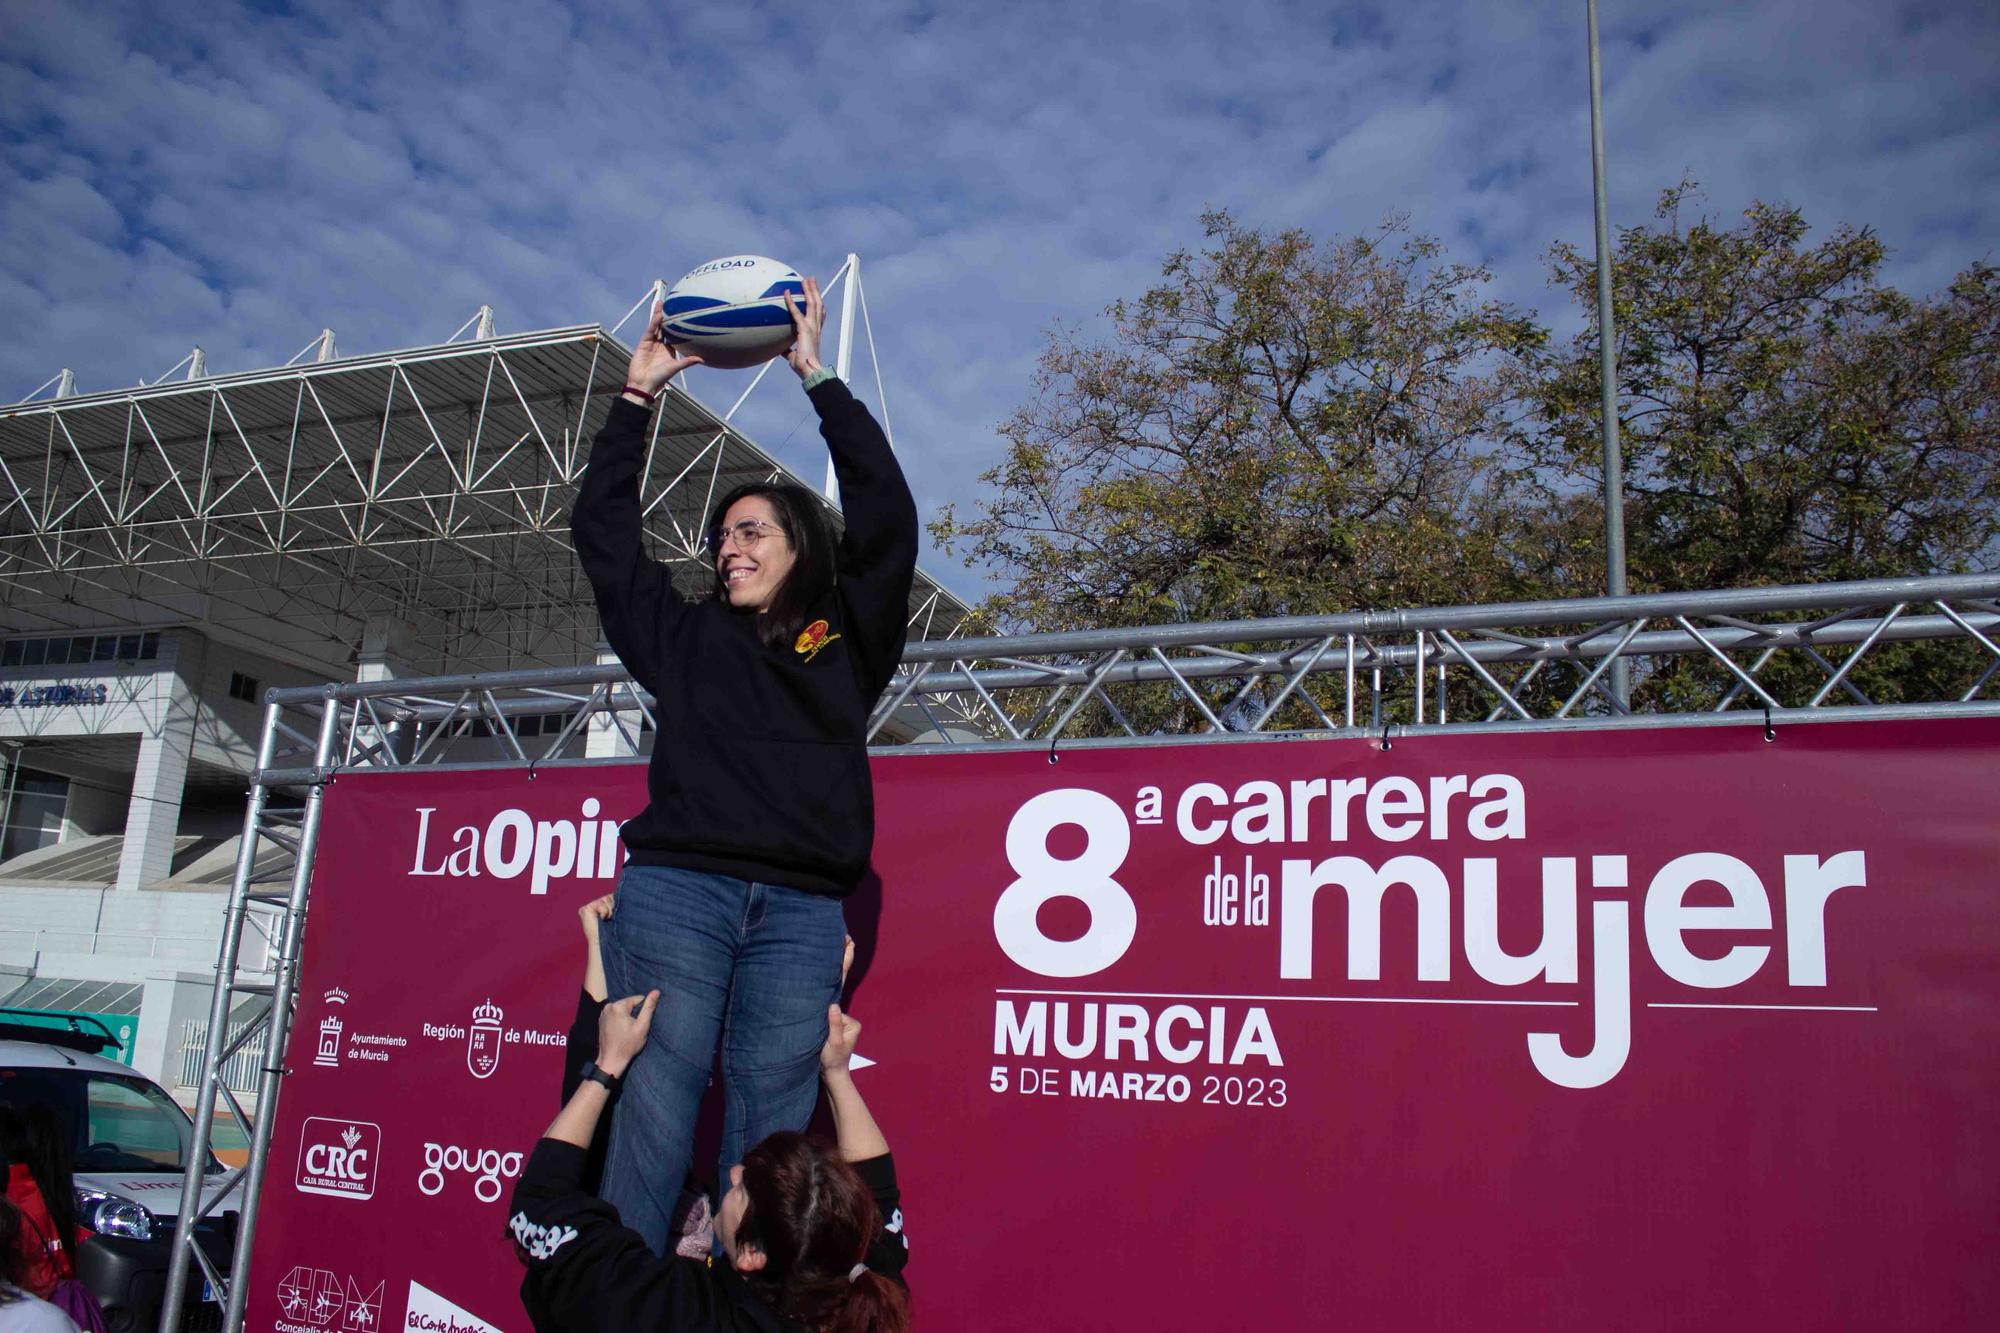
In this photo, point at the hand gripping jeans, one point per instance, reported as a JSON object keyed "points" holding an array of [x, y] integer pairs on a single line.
{"points": [[751, 965]]}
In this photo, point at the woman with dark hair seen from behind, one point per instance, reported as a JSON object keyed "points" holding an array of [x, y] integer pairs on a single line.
{"points": [[761, 813], [21, 1311], [812, 1235], [42, 1189]]}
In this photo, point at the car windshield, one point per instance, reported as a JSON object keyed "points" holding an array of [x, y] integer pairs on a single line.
{"points": [[118, 1122]]}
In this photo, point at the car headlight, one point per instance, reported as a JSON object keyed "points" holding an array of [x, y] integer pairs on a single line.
{"points": [[113, 1215]]}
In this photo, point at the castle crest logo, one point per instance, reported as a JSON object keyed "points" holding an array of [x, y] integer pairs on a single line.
{"points": [[327, 1054], [483, 1040]]}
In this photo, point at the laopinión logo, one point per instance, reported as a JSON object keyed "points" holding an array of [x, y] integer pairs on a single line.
{"points": [[487, 1167], [513, 844], [319, 1296], [339, 1157]]}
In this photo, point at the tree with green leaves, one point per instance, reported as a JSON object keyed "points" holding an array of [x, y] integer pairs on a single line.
{"points": [[1785, 418], [1277, 428], [1285, 427]]}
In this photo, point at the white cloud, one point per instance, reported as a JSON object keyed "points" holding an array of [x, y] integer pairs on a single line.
{"points": [[242, 179]]}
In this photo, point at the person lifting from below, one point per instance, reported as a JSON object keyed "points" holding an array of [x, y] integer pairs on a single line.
{"points": [[760, 817], [812, 1234]]}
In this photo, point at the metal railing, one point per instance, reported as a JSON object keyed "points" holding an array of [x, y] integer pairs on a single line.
{"points": [[37, 939], [1761, 656], [240, 1071]]}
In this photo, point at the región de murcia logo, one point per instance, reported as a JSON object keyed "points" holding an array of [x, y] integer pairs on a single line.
{"points": [[482, 1040]]}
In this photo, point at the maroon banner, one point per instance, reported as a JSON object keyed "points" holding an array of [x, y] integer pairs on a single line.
{"points": [[1651, 1029]]}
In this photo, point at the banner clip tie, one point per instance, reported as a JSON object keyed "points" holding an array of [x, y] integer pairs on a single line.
{"points": [[1386, 724], [1770, 732], [1052, 748]]}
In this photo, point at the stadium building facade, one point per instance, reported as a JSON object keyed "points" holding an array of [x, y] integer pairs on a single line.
{"points": [[170, 553]]}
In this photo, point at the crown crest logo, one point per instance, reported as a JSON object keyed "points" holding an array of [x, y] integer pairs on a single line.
{"points": [[488, 1014], [336, 996], [350, 1136]]}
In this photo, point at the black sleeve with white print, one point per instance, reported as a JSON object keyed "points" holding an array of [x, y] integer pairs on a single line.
{"points": [[586, 1270], [890, 1250]]}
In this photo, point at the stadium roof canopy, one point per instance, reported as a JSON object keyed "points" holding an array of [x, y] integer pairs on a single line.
{"points": [[286, 508]]}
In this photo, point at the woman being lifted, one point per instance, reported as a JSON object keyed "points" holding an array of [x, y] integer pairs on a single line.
{"points": [[761, 813]]}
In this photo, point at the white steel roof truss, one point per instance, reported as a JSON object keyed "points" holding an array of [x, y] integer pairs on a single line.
{"points": [[251, 498]]}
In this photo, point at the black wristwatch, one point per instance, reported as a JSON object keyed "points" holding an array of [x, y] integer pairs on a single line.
{"points": [[595, 1075]]}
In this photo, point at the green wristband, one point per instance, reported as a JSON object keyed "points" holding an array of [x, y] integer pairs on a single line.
{"points": [[818, 377]]}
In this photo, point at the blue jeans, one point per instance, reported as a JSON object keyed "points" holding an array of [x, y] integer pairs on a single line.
{"points": [[753, 966]]}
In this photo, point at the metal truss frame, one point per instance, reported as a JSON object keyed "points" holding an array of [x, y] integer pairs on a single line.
{"points": [[429, 486], [1536, 666]]}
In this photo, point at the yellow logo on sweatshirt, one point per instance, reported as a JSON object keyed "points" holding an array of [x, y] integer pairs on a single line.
{"points": [[813, 638]]}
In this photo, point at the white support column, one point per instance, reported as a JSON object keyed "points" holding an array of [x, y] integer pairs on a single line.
{"points": [[325, 345], [156, 1014], [387, 650], [155, 812], [66, 383], [602, 739], [843, 358], [485, 329], [197, 364], [166, 742]]}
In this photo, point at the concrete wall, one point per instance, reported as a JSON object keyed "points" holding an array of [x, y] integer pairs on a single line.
{"points": [[228, 729], [167, 942]]}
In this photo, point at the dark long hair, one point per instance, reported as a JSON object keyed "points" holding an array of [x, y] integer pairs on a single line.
{"points": [[13, 1259], [812, 1217], [803, 518], [33, 1136]]}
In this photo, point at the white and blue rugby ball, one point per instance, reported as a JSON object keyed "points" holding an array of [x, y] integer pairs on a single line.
{"points": [[731, 312]]}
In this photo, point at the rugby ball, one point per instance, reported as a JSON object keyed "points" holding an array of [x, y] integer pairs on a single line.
{"points": [[731, 312]]}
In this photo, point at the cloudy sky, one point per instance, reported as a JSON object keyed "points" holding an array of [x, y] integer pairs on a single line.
{"points": [[240, 176]]}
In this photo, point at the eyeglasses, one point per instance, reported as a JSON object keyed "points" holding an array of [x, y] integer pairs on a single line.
{"points": [[746, 533]]}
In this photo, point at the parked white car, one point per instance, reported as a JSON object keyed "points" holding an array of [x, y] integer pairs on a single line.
{"points": [[129, 1145]]}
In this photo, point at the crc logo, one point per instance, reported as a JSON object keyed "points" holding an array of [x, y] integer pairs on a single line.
{"points": [[485, 1165], [339, 1157]]}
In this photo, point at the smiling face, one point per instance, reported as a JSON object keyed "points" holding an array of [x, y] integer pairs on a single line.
{"points": [[751, 574]]}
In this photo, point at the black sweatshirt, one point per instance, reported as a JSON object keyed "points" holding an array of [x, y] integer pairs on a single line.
{"points": [[760, 770], [586, 1270]]}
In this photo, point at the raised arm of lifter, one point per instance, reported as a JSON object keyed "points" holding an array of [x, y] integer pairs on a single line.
{"points": [[635, 594], [877, 557], [854, 1127]]}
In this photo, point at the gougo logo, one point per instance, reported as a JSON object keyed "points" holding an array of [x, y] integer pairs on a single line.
{"points": [[1494, 809], [487, 1166]]}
